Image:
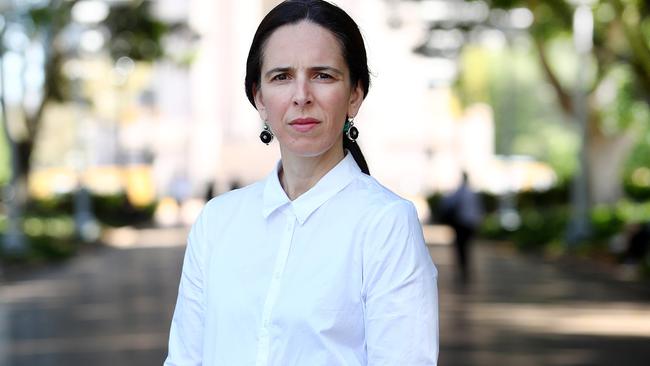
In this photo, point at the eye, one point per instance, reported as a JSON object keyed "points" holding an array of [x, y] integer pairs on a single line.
{"points": [[280, 77], [322, 75]]}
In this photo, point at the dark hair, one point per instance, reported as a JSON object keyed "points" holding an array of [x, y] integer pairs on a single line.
{"points": [[330, 17]]}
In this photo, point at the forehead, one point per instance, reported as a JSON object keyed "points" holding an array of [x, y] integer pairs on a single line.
{"points": [[302, 44]]}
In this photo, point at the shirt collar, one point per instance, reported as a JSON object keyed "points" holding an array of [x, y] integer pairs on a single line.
{"points": [[330, 184]]}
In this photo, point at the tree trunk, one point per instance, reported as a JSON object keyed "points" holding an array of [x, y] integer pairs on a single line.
{"points": [[606, 156], [15, 194], [15, 198]]}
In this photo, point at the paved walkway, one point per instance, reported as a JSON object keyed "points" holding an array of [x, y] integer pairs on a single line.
{"points": [[112, 306]]}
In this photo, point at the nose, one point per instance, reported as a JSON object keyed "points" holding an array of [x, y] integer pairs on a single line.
{"points": [[302, 94]]}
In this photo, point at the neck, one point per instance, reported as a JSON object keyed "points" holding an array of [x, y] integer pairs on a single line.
{"points": [[299, 174]]}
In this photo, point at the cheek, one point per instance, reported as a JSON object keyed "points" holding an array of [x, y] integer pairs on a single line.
{"points": [[337, 101], [276, 104]]}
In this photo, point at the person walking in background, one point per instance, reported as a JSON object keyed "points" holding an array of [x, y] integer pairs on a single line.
{"points": [[463, 211], [318, 264]]}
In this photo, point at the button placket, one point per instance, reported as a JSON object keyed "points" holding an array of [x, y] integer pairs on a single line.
{"points": [[272, 295]]}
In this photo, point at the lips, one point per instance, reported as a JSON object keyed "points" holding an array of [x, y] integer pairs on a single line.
{"points": [[304, 124]]}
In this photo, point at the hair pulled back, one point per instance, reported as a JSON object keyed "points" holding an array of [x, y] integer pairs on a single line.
{"points": [[330, 17]]}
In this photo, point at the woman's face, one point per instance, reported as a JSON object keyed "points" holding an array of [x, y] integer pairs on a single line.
{"points": [[305, 93]]}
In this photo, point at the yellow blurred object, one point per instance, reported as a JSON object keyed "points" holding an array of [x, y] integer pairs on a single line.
{"points": [[140, 185], [107, 179], [44, 183], [137, 181], [167, 212], [455, 106]]}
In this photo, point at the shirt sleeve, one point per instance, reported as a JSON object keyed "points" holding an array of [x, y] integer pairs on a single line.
{"points": [[186, 333], [400, 291]]}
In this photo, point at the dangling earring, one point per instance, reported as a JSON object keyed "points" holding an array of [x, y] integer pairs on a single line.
{"points": [[266, 136], [350, 131]]}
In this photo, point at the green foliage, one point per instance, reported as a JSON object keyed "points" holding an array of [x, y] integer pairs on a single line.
{"points": [[544, 216], [61, 204], [606, 222], [620, 107], [526, 115], [621, 34], [636, 173], [544, 224], [540, 227], [553, 144], [557, 195], [135, 32], [110, 210], [552, 17], [116, 210], [49, 227], [637, 189], [51, 17], [49, 238], [48, 23], [433, 201], [492, 229], [474, 81], [5, 159], [633, 212], [48, 248], [490, 201], [618, 83]]}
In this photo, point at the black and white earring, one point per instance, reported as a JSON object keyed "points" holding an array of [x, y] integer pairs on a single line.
{"points": [[350, 131], [266, 136]]}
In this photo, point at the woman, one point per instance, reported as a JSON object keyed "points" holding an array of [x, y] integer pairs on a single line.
{"points": [[318, 264]]}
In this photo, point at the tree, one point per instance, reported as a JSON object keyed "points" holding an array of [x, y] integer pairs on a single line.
{"points": [[619, 85], [47, 25]]}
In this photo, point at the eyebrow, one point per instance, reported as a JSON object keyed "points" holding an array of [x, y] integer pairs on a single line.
{"points": [[315, 68]]}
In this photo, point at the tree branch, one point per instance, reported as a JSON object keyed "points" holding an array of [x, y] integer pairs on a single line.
{"points": [[636, 40], [563, 97]]}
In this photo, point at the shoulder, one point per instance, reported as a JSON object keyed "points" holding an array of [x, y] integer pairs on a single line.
{"points": [[392, 232], [368, 189], [377, 199], [378, 207]]}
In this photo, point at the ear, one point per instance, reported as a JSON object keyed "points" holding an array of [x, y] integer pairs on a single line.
{"points": [[259, 102], [356, 98]]}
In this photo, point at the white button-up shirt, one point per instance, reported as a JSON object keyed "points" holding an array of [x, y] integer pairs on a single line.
{"points": [[339, 276]]}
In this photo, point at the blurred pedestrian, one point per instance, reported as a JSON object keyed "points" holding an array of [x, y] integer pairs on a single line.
{"points": [[638, 243], [318, 264], [463, 211]]}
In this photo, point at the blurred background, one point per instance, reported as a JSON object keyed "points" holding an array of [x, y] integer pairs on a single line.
{"points": [[120, 118]]}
